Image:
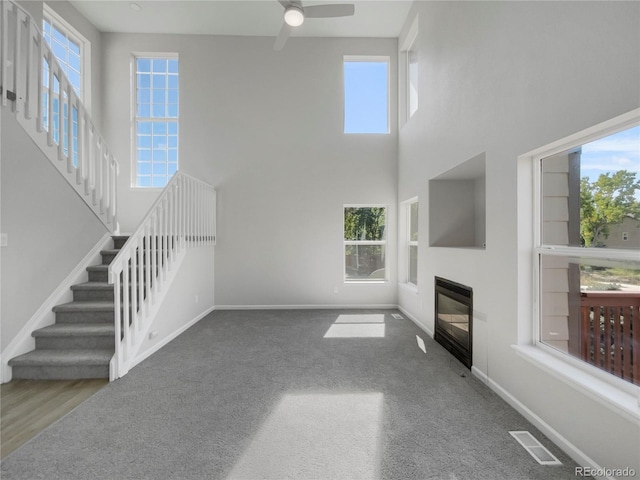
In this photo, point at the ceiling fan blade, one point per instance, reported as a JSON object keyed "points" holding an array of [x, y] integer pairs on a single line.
{"points": [[285, 31], [326, 11]]}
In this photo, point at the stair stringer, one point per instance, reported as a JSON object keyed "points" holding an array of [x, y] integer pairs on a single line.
{"points": [[152, 306], [44, 316]]}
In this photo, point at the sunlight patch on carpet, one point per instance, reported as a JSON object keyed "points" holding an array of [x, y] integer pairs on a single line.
{"points": [[360, 318], [317, 436], [357, 326]]}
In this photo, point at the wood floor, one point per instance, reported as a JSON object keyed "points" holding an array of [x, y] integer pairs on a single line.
{"points": [[29, 406]]}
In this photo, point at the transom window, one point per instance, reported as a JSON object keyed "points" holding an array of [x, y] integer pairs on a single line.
{"points": [[366, 94], [589, 282], [365, 242], [156, 120]]}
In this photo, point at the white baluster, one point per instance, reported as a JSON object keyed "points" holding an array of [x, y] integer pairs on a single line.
{"points": [[69, 133], [4, 60], [115, 277], [50, 94], [80, 168], [126, 306], [29, 66], [17, 87]]}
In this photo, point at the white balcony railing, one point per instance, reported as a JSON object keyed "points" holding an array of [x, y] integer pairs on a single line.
{"points": [[37, 90], [183, 216]]}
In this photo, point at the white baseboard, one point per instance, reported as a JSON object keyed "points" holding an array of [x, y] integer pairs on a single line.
{"points": [[23, 342], [147, 353], [418, 323], [306, 307], [569, 448]]}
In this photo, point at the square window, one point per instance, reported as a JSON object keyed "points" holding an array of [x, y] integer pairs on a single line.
{"points": [[143, 65], [160, 65]]}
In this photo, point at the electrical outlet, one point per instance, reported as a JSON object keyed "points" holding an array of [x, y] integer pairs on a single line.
{"points": [[197, 299], [335, 289], [153, 334]]}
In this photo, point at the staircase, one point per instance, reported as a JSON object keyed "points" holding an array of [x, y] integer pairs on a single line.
{"points": [[82, 341]]}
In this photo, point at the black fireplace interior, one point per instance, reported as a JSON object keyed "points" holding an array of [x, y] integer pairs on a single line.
{"points": [[454, 314]]}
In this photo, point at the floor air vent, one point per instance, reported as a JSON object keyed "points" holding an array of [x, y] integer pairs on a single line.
{"points": [[535, 448], [397, 316]]}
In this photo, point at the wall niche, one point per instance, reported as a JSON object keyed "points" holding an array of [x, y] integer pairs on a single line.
{"points": [[457, 206]]}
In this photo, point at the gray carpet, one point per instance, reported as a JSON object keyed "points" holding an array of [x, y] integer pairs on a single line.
{"points": [[263, 394]]}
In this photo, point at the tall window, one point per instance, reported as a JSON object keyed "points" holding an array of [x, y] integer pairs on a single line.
{"points": [[365, 242], [590, 284], [67, 45], [409, 59], [366, 94], [410, 232], [156, 121], [412, 80], [71, 51]]}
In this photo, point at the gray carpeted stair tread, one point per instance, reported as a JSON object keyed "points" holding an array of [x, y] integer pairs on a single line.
{"points": [[85, 307], [62, 358], [72, 330], [92, 286], [98, 267], [110, 251]]}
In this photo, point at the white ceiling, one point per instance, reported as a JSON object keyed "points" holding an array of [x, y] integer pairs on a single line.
{"points": [[373, 18]]}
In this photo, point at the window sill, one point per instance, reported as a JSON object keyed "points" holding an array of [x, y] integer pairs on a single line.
{"points": [[367, 282], [409, 288], [623, 400]]}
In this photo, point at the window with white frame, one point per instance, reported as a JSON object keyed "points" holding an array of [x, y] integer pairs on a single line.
{"points": [[366, 94], [409, 59], [589, 290], [412, 80], [365, 241], [68, 46], [72, 52], [409, 231], [156, 120], [412, 242]]}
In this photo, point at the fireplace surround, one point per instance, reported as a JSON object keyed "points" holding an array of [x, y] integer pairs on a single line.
{"points": [[454, 318]]}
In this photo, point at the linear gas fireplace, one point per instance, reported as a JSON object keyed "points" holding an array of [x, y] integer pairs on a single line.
{"points": [[454, 314]]}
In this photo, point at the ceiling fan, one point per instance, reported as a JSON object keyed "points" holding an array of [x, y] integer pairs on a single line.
{"points": [[295, 14]]}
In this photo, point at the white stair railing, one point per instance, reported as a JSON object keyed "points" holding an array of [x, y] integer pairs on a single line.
{"points": [[45, 103], [183, 216]]}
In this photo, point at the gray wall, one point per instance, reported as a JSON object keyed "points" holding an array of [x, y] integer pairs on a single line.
{"points": [[505, 78], [266, 128], [49, 228]]}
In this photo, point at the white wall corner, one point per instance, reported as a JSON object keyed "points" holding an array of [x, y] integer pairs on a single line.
{"points": [[419, 324]]}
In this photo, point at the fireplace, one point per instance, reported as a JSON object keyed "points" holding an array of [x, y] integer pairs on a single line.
{"points": [[454, 314]]}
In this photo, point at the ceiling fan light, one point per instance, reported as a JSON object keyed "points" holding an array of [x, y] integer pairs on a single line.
{"points": [[293, 16]]}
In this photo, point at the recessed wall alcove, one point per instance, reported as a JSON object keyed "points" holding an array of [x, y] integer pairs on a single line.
{"points": [[457, 206]]}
